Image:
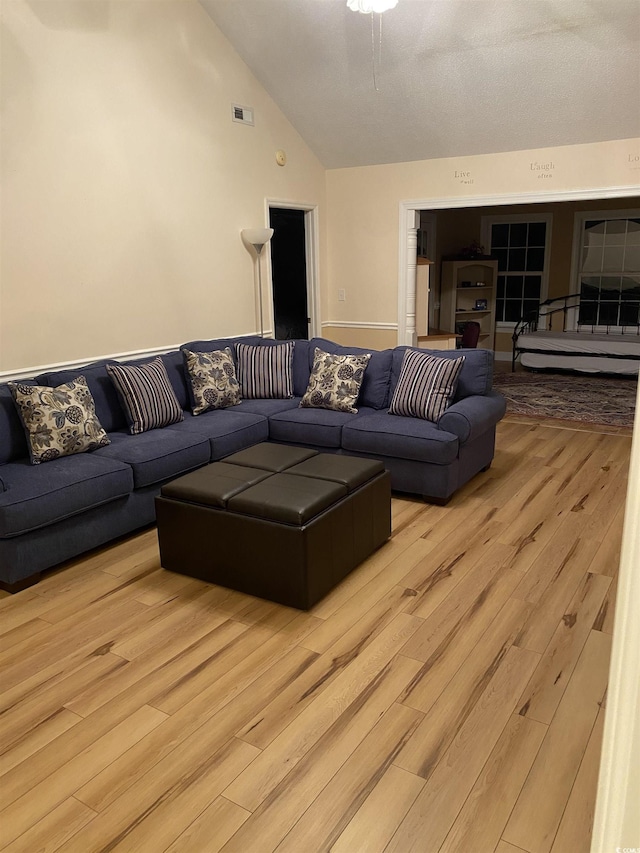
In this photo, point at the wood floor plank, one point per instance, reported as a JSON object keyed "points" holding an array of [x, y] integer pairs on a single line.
{"points": [[170, 621], [483, 630], [382, 597], [44, 733], [542, 695], [27, 810], [24, 715], [200, 728], [605, 618], [75, 643], [232, 667], [22, 636], [456, 703], [606, 559], [161, 668], [505, 847], [484, 815], [574, 832], [372, 571], [372, 826], [288, 801], [55, 828], [540, 806], [447, 565], [156, 820], [272, 719], [434, 811], [457, 610], [333, 808], [252, 787], [212, 829]]}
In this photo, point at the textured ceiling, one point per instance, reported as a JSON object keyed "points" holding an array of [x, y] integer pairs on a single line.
{"points": [[453, 77]]}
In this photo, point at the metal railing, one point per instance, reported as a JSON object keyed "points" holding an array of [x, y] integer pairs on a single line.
{"points": [[531, 322]]}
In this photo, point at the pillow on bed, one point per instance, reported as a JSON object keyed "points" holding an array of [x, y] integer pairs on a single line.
{"points": [[426, 385]]}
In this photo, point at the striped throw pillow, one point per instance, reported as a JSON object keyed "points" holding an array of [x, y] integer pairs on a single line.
{"points": [[426, 385], [146, 394], [265, 372]]}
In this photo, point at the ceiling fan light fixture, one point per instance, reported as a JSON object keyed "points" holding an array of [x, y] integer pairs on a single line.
{"points": [[369, 6]]}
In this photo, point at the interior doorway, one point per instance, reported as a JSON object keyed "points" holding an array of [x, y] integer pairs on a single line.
{"points": [[289, 274]]}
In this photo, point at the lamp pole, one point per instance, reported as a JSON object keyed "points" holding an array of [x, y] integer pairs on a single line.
{"points": [[258, 238]]}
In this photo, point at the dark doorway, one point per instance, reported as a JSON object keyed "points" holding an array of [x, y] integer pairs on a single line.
{"points": [[289, 274]]}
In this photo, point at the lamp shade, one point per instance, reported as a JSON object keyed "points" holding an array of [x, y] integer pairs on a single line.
{"points": [[257, 236]]}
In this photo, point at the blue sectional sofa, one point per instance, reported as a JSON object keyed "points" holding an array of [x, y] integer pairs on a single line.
{"points": [[52, 512]]}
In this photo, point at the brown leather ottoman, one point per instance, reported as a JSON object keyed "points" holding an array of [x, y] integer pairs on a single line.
{"points": [[283, 523]]}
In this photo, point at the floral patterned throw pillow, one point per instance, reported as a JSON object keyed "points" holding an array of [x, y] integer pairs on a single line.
{"points": [[213, 379], [58, 421], [335, 381]]}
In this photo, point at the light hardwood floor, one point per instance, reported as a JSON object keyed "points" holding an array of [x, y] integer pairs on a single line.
{"points": [[448, 696]]}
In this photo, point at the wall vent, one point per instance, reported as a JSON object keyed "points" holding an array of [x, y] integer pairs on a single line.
{"points": [[242, 114]]}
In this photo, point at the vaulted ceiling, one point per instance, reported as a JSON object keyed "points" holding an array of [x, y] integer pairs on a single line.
{"points": [[442, 78]]}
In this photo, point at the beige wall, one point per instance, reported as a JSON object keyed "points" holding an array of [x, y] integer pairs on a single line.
{"points": [[363, 207], [125, 182]]}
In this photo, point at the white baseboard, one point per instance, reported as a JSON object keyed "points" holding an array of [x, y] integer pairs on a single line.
{"points": [[349, 324]]}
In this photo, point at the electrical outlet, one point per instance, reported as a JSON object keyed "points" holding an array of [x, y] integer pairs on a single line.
{"points": [[342, 295]]}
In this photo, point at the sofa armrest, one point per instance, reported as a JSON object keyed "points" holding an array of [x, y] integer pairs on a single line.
{"points": [[473, 416]]}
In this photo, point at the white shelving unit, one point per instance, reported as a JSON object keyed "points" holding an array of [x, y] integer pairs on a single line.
{"points": [[465, 284]]}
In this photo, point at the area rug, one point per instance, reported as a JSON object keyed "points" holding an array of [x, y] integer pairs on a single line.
{"points": [[589, 399]]}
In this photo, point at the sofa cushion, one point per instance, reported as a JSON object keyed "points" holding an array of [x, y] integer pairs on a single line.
{"points": [[226, 430], [267, 408], [476, 376], [174, 364], [146, 395], [426, 385], [335, 381], [221, 343], [212, 379], [377, 377], [58, 421], [314, 427], [157, 455], [380, 434], [38, 496], [13, 442], [265, 372]]}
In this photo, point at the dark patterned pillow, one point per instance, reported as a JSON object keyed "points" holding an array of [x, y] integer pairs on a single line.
{"points": [[335, 381], [426, 385], [58, 421], [265, 372], [146, 394], [212, 376]]}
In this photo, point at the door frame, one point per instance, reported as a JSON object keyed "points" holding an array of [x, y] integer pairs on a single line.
{"points": [[407, 236], [312, 243]]}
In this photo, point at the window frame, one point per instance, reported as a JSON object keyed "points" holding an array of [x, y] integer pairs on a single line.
{"points": [[486, 223], [579, 220]]}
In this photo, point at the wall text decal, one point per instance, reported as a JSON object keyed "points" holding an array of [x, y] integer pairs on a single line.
{"points": [[543, 170], [462, 177]]}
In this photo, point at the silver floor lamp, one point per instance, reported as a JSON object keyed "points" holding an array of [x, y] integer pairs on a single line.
{"points": [[258, 238]]}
